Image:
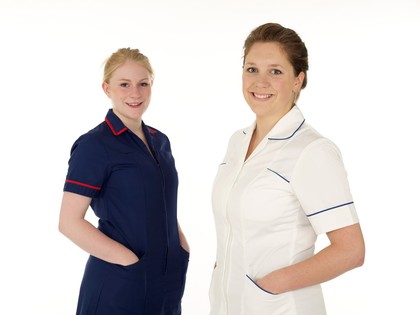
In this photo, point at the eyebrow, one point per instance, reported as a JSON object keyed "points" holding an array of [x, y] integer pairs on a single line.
{"points": [[270, 65], [128, 80]]}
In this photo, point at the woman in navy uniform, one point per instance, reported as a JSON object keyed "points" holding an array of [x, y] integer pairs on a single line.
{"points": [[124, 170]]}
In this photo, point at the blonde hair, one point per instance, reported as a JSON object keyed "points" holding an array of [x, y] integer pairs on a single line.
{"points": [[118, 58]]}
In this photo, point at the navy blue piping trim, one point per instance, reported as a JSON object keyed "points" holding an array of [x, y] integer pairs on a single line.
{"points": [[290, 135], [271, 293], [278, 174], [344, 204]]}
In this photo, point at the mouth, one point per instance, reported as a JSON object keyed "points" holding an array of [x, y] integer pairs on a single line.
{"points": [[261, 96], [134, 104]]}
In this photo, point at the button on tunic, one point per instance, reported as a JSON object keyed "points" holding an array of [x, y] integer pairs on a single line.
{"points": [[268, 211], [134, 195]]}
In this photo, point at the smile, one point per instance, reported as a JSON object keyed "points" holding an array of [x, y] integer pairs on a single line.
{"points": [[134, 104], [261, 96]]}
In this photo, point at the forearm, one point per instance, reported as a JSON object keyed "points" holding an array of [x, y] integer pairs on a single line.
{"points": [[72, 223], [325, 265], [96, 243], [345, 253]]}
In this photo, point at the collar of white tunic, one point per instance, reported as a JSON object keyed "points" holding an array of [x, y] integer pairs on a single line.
{"points": [[285, 128]]}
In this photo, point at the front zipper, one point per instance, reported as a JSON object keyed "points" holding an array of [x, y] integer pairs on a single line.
{"points": [[226, 270]]}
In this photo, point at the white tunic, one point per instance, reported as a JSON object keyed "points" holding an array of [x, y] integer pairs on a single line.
{"points": [[268, 211]]}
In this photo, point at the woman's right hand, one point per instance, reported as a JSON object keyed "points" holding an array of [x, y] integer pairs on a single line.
{"points": [[130, 260]]}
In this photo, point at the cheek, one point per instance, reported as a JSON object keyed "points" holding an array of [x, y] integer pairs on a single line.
{"points": [[124, 94], [246, 84], [147, 94], [277, 84], [283, 87], [245, 91], [119, 98]]}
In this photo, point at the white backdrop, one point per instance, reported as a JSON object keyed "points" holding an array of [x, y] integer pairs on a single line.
{"points": [[362, 93]]}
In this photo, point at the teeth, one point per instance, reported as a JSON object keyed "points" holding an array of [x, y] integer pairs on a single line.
{"points": [[133, 104], [263, 96]]}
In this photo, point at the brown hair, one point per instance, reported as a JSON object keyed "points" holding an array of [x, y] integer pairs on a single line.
{"points": [[289, 41], [122, 55]]}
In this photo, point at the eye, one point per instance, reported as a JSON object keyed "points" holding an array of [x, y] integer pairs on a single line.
{"points": [[124, 85], [144, 84], [251, 70], [276, 72]]}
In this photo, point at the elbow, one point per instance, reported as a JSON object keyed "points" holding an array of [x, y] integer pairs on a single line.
{"points": [[361, 259], [63, 228], [358, 257]]}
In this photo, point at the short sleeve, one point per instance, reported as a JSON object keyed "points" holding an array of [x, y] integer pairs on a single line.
{"points": [[320, 183], [87, 167]]}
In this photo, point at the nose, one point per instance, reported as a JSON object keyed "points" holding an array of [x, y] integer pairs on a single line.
{"points": [[261, 80], [135, 92]]}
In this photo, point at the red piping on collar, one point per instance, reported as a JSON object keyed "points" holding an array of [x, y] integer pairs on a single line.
{"points": [[152, 131], [112, 128]]}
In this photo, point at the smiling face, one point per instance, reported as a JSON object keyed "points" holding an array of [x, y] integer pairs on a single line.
{"points": [[269, 83], [130, 90]]}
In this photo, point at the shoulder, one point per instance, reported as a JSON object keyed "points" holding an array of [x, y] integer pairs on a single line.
{"points": [[157, 135], [315, 144], [319, 157], [154, 132], [308, 139], [159, 139], [91, 140]]}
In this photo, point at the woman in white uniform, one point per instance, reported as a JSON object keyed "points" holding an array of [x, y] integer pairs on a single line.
{"points": [[280, 185]]}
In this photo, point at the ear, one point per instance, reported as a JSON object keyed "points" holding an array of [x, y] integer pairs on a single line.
{"points": [[105, 87], [298, 82]]}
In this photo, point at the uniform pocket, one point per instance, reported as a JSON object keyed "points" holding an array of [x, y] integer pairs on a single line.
{"points": [[133, 266], [260, 301], [268, 292], [134, 271], [124, 288], [174, 279]]}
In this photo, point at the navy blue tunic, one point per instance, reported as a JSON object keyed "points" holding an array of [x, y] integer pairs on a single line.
{"points": [[134, 195]]}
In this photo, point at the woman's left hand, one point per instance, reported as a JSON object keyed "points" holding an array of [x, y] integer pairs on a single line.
{"points": [[268, 284]]}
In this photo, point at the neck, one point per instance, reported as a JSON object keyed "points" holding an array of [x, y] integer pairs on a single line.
{"points": [[138, 130], [263, 126], [135, 125], [265, 123]]}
